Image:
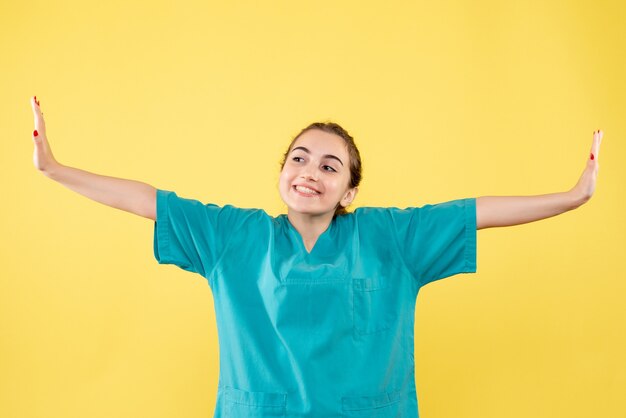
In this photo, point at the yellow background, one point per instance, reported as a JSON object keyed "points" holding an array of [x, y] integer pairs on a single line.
{"points": [[446, 100]]}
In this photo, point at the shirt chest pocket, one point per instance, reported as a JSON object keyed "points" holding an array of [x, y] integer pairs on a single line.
{"points": [[244, 404], [375, 304]]}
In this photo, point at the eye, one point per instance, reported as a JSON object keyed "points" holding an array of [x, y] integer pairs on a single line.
{"points": [[325, 167]]}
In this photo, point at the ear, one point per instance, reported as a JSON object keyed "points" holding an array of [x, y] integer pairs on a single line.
{"points": [[349, 197]]}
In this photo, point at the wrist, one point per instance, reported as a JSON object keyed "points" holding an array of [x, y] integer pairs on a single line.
{"points": [[52, 170]]}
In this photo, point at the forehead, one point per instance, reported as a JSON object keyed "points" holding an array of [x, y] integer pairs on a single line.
{"points": [[320, 142]]}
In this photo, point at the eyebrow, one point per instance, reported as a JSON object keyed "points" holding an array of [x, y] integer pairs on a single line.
{"points": [[325, 156]]}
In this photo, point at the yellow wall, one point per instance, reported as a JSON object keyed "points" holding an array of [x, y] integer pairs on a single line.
{"points": [[446, 99]]}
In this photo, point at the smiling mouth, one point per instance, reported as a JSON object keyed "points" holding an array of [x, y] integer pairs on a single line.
{"points": [[305, 191]]}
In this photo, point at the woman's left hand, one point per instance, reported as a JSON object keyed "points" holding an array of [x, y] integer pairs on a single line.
{"points": [[587, 183]]}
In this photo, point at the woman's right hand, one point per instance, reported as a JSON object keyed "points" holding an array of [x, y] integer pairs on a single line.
{"points": [[42, 156]]}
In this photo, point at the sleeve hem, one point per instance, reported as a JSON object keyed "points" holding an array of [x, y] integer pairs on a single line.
{"points": [[470, 235], [161, 230]]}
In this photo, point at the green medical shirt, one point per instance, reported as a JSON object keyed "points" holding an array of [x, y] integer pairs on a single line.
{"points": [[322, 334]]}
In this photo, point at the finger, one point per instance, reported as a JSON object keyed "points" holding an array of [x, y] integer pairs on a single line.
{"points": [[595, 145], [34, 103], [40, 125]]}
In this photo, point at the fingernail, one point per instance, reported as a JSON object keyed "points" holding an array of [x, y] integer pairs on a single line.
{"points": [[35, 132], [591, 153]]}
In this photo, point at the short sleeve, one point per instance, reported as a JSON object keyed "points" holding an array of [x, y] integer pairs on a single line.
{"points": [[191, 234], [437, 241]]}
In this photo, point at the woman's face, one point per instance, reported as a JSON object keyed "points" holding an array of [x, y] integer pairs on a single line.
{"points": [[316, 174]]}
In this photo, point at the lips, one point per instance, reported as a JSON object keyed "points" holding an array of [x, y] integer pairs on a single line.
{"points": [[308, 187]]}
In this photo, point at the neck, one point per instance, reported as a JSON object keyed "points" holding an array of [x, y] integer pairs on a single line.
{"points": [[310, 227]]}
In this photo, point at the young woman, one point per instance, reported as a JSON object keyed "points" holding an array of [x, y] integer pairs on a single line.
{"points": [[315, 308]]}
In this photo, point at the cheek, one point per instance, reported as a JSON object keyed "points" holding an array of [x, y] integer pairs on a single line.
{"points": [[340, 183], [283, 179]]}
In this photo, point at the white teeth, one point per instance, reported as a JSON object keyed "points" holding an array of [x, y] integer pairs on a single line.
{"points": [[306, 190]]}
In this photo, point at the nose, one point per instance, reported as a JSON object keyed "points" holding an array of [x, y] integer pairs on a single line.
{"points": [[308, 177], [308, 173]]}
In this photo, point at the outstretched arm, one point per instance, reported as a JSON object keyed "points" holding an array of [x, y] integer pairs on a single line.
{"points": [[128, 195], [493, 211]]}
